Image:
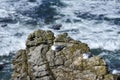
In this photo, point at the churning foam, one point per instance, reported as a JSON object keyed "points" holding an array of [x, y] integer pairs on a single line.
{"points": [[97, 34], [13, 35]]}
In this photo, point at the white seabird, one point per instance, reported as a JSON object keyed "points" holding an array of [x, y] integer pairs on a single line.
{"points": [[115, 71], [87, 55], [57, 47]]}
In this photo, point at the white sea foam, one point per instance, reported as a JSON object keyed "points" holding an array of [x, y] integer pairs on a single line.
{"points": [[10, 41], [13, 36], [96, 35]]}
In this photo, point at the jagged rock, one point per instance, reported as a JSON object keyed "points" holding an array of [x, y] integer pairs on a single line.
{"points": [[56, 26], [3, 25], [40, 37], [39, 62]]}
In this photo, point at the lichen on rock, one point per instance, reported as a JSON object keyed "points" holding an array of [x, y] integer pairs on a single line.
{"points": [[39, 62], [39, 37]]}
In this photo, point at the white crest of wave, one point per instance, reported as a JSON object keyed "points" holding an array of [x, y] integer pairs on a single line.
{"points": [[13, 37], [9, 40], [96, 35]]}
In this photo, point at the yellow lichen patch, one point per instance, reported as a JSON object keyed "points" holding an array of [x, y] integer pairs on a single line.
{"points": [[39, 37], [100, 70], [82, 47], [96, 61], [50, 35], [77, 61], [39, 33], [109, 77], [63, 38]]}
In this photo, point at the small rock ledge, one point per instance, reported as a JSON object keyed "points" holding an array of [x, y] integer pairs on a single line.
{"points": [[39, 62]]}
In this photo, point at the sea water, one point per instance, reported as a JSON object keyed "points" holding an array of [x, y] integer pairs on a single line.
{"points": [[95, 22]]}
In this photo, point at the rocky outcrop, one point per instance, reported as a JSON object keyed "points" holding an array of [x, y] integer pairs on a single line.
{"points": [[41, 62]]}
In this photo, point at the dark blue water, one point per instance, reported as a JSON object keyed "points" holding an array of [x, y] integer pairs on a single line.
{"points": [[6, 72]]}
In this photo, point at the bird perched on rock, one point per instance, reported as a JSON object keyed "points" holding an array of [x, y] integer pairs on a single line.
{"points": [[87, 55], [115, 72], [57, 47]]}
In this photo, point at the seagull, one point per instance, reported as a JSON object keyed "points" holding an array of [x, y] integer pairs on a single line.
{"points": [[115, 71], [87, 55], [57, 47]]}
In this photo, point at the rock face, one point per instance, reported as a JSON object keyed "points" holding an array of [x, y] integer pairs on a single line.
{"points": [[39, 62]]}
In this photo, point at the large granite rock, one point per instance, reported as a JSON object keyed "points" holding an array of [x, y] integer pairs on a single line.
{"points": [[39, 62]]}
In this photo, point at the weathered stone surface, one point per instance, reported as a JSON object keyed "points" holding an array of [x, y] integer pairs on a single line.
{"points": [[39, 62], [40, 37]]}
